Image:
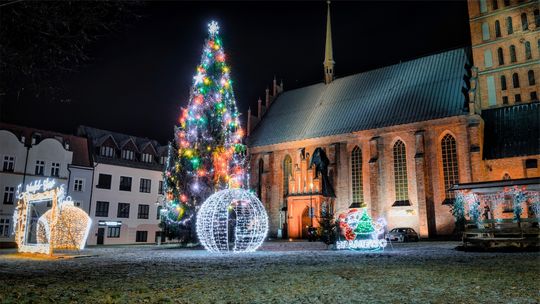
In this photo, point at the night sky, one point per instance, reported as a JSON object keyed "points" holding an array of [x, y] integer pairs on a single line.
{"points": [[140, 77]]}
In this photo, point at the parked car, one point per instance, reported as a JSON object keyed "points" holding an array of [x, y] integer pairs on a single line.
{"points": [[402, 235]]}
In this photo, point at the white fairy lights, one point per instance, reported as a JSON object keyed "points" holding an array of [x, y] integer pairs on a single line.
{"points": [[232, 220]]}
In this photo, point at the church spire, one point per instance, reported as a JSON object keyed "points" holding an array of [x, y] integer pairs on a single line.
{"points": [[328, 57]]}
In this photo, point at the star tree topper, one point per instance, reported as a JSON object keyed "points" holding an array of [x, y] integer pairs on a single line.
{"points": [[213, 28]]}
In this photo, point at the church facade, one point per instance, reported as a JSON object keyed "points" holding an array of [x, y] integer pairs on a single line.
{"points": [[399, 137]]}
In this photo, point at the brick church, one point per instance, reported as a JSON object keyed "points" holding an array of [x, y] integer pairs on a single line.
{"points": [[399, 137]]}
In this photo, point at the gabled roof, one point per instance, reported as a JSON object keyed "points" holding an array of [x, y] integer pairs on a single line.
{"points": [[78, 145], [512, 131], [422, 89]]}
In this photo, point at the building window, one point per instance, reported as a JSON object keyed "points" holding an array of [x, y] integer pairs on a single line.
{"points": [[287, 171], [500, 56], [450, 165], [400, 173], [515, 80], [9, 163], [158, 214], [506, 2], [77, 203], [125, 183], [162, 160], [495, 4], [113, 232], [524, 22], [506, 176], [512, 53], [537, 18], [497, 28], [483, 6], [517, 97], [509, 28], [4, 227], [104, 181], [356, 177], [534, 97], [78, 185], [528, 53], [530, 75], [505, 99], [40, 167], [503, 83], [492, 96], [102, 209], [160, 187], [141, 236], [488, 60], [127, 154], [145, 185], [531, 163], [123, 210], [485, 31], [143, 211], [55, 169], [147, 158], [106, 151], [9, 193]]}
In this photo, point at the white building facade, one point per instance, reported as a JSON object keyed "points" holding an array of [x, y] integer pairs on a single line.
{"points": [[126, 189], [28, 154]]}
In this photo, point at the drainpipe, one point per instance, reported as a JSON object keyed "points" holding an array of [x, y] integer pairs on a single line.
{"points": [[25, 166]]}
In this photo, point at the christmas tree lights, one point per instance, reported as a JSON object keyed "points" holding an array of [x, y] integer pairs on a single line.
{"points": [[207, 154], [360, 232], [232, 220]]}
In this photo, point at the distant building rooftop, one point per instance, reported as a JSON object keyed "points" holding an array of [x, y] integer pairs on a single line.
{"points": [[422, 89]]}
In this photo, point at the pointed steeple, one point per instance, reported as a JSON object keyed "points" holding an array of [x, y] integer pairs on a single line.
{"points": [[328, 56]]}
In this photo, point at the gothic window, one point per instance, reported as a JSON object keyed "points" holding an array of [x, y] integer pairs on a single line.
{"points": [[497, 28], [500, 56], [530, 74], [528, 54], [494, 4], [260, 175], [524, 22], [400, 174], [509, 28], [287, 170], [356, 176], [503, 83], [515, 80], [512, 53], [450, 164]]}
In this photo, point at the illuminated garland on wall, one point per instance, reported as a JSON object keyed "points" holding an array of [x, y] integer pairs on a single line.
{"points": [[232, 220], [207, 154]]}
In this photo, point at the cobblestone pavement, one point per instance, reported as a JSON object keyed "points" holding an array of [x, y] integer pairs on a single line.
{"points": [[280, 273]]}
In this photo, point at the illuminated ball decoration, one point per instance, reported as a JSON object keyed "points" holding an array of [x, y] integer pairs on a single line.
{"points": [[71, 228], [232, 220]]}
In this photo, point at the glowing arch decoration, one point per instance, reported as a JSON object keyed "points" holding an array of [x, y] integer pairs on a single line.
{"points": [[360, 232], [232, 220], [63, 226]]}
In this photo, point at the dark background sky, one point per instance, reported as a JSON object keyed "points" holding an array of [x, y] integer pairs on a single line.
{"points": [[140, 77]]}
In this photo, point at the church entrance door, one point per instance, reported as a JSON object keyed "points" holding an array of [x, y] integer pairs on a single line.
{"points": [[298, 215]]}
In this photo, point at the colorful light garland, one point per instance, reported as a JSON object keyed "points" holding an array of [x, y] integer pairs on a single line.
{"points": [[360, 232]]}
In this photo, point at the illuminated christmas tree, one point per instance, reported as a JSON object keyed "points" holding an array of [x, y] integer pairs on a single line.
{"points": [[207, 154], [365, 225]]}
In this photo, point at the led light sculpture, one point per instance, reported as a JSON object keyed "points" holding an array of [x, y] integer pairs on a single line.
{"points": [[63, 226], [359, 232], [232, 220]]}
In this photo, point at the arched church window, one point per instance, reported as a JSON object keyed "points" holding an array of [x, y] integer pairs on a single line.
{"points": [[524, 22], [532, 81], [401, 183], [515, 80], [356, 176], [259, 176], [509, 28], [287, 170], [450, 164], [497, 28], [503, 82], [512, 53], [528, 53], [500, 56]]}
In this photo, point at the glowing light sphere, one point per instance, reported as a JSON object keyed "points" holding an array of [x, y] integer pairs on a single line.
{"points": [[232, 220]]}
